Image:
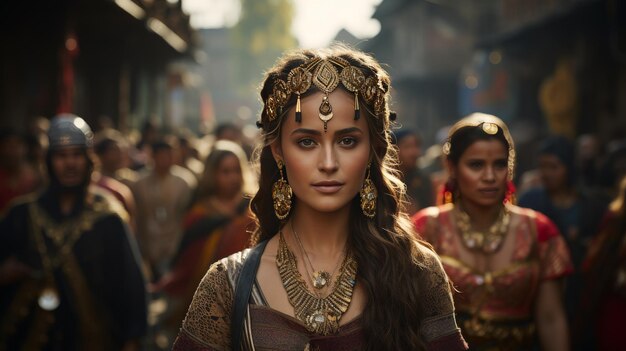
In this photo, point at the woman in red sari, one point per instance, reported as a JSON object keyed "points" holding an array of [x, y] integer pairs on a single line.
{"points": [[505, 261]]}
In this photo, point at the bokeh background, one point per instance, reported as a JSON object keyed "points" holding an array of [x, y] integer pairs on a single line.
{"points": [[553, 65]]}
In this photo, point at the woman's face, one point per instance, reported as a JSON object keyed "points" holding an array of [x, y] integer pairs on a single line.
{"points": [[325, 169], [481, 173], [553, 172], [228, 176]]}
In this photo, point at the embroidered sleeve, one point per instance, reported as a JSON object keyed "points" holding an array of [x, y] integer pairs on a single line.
{"points": [[553, 251], [439, 327], [207, 323]]}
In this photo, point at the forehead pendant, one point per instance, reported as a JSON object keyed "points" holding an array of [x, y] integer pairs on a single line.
{"points": [[326, 78], [490, 128]]}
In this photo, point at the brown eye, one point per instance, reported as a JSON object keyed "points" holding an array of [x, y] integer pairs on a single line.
{"points": [[348, 141], [306, 142], [475, 164]]}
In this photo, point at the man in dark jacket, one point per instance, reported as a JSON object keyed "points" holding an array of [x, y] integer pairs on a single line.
{"points": [[69, 269]]}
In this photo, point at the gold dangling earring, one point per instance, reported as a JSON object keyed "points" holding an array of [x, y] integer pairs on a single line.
{"points": [[281, 194], [368, 194]]}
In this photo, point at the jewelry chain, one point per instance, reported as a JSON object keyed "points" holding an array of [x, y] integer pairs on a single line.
{"points": [[315, 276]]}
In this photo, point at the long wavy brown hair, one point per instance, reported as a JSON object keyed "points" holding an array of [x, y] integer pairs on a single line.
{"points": [[388, 254]]}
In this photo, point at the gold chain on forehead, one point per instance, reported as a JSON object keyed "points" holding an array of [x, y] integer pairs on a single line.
{"points": [[325, 74]]}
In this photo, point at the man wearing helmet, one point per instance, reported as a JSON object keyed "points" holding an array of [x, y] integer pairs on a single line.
{"points": [[69, 272]]}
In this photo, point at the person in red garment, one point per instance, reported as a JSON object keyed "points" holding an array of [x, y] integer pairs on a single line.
{"points": [[603, 318], [338, 263], [506, 262]]}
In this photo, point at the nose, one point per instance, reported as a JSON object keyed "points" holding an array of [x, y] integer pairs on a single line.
{"points": [[489, 175], [328, 160]]}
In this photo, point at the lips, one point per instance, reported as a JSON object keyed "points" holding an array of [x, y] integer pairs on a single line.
{"points": [[489, 191], [328, 186]]}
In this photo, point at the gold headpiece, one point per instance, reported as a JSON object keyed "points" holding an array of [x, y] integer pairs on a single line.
{"points": [[490, 125], [325, 74]]}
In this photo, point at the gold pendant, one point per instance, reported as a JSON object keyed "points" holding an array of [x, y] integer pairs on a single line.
{"points": [[323, 322], [49, 299], [320, 279], [325, 112], [320, 315], [490, 128]]}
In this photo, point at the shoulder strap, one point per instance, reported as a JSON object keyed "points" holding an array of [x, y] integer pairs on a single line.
{"points": [[242, 293]]}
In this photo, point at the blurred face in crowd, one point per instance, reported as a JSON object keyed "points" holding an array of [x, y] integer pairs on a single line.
{"points": [[228, 176], [325, 169], [70, 165], [481, 173], [553, 172], [587, 147], [163, 160], [112, 158], [409, 150]]}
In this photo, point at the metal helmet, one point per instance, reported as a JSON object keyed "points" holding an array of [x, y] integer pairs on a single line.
{"points": [[69, 130]]}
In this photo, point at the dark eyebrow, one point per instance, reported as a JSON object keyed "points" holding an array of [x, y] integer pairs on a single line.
{"points": [[317, 132], [306, 131], [348, 131]]}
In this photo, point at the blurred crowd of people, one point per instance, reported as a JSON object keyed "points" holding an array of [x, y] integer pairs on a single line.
{"points": [[185, 201], [183, 198]]}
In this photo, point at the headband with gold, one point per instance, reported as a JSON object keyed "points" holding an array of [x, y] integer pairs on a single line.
{"points": [[325, 74], [490, 125]]}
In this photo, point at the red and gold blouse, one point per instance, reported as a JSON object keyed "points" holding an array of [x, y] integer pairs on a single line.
{"points": [[496, 303]]}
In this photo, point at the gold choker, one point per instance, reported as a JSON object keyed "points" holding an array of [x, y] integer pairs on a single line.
{"points": [[320, 315]]}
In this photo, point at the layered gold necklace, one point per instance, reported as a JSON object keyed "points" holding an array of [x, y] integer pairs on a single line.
{"points": [[488, 241], [319, 278], [319, 314]]}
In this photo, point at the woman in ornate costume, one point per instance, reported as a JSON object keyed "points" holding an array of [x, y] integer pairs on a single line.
{"points": [[505, 261], [339, 267]]}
